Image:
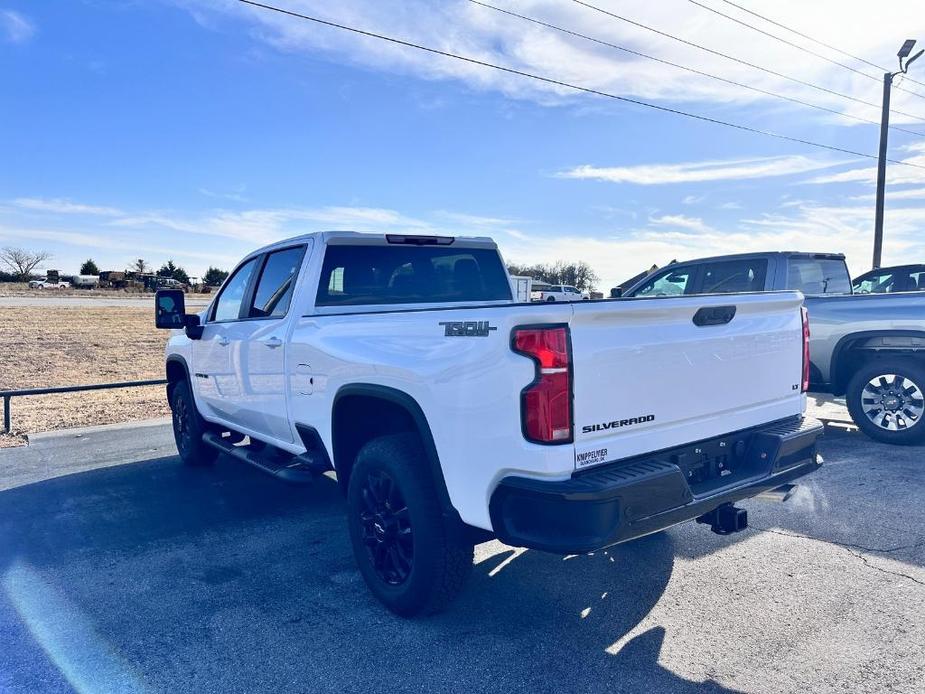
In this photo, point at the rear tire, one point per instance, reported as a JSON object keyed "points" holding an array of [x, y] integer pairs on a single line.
{"points": [[552, 298], [188, 428], [885, 399], [408, 553]]}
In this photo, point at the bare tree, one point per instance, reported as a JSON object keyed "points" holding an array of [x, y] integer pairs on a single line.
{"points": [[580, 274], [22, 262], [139, 266]]}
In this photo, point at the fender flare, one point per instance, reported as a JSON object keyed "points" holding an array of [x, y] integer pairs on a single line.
{"points": [[838, 384], [176, 359], [411, 406]]}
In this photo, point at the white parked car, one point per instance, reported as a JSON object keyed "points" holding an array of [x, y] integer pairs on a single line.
{"points": [[557, 292], [46, 284], [452, 414]]}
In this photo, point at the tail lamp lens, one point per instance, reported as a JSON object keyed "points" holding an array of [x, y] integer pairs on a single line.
{"points": [[805, 382], [546, 404]]}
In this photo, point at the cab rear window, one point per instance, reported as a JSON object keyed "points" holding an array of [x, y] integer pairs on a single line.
{"points": [[819, 276], [364, 275]]}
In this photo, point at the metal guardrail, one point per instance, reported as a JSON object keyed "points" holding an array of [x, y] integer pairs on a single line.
{"points": [[8, 395]]}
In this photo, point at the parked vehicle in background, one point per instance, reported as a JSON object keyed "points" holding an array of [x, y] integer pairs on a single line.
{"points": [[170, 283], [452, 414], [113, 279], [86, 281], [900, 278], [868, 347], [48, 284], [522, 287], [557, 292], [52, 280]]}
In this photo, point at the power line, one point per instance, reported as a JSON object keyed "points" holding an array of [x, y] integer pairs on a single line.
{"points": [[740, 61], [560, 83], [814, 40], [686, 68], [792, 44]]}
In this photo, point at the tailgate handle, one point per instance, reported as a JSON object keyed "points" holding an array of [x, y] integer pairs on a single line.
{"points": [[714, 315]]}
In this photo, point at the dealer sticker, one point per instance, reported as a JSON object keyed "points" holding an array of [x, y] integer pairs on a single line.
{"points": [[591, 457]]}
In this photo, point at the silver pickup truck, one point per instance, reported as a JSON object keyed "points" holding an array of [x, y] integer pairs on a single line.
{"points": [[868, 347]]}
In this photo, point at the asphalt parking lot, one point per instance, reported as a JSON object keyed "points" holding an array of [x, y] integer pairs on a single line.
{"points": [[121, 570]]}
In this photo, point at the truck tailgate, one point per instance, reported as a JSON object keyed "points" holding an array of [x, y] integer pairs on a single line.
{"points": [[647, 377]]}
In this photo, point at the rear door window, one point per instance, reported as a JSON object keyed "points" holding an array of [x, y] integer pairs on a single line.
{"points": [[746, 275], [405, 274], [818, 275], [277, 281]]}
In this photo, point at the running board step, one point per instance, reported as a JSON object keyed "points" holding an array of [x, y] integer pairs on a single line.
{"points": [[296, 470]]}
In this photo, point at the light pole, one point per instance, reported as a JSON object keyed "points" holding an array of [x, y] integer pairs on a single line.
{"points": [[884, 130]]}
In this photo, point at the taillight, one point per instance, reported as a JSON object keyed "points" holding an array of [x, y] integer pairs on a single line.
{"points": [[546, 404], [805, 383]]}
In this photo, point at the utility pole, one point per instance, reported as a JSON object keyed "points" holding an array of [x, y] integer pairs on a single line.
{"points": [[884, 132]]}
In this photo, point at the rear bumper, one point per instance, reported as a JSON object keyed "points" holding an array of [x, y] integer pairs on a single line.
{"points": [[624, 500]]}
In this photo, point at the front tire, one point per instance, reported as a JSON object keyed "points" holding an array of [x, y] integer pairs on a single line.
{"points": [[886, 401], [188, 428], [408, 553]]}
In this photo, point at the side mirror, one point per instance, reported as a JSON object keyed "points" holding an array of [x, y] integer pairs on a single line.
{"points": [[169, 309], [616, 292], [170, 313]]}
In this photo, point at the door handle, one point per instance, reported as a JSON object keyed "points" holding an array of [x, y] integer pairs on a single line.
{"points": [[714, 315], [223, 341], [273, 342]]}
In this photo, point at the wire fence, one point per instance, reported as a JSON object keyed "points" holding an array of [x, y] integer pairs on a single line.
{"points": [[8, 395]]}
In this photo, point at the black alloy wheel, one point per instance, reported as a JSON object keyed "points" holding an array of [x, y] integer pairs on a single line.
{"points": [[387, 532]]}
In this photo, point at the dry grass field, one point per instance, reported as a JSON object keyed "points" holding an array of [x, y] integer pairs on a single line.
{"points": [[55, 346]]}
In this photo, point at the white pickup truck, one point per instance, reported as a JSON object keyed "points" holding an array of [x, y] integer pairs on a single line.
{"points": [[452, 414], [557, 292]]}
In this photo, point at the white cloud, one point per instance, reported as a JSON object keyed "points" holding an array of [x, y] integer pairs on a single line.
{"points": [[220, 237], [681, 221], [60, 206], [193, 234], [694, 172], [895, 173], [487, 35], [907, 194], [14, 27], [618, 255], [236, 195]]}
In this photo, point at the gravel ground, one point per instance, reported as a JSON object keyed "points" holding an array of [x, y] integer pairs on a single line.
{"points": [[121, 570], [53, 346]]}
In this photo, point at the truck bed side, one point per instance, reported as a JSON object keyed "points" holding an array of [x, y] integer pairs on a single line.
{"points": [[631, 357]]}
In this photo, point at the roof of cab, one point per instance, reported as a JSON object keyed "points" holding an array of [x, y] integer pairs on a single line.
{"points": [[759, 254], [361, 238]]}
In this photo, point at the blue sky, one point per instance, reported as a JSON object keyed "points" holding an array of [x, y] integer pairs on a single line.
{"points": [[197, 130]]}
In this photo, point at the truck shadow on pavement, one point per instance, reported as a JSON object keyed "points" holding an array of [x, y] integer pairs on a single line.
{"points": [[155, 577]]}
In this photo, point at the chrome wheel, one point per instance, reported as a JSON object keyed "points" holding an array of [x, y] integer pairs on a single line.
{"points": [[892, 402]]}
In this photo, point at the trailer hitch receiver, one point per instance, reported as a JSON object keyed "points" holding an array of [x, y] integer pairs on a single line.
{"points": [[725, 519]]}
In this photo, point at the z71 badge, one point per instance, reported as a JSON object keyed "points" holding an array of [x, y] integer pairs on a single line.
{"points": [[468, 328]]}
